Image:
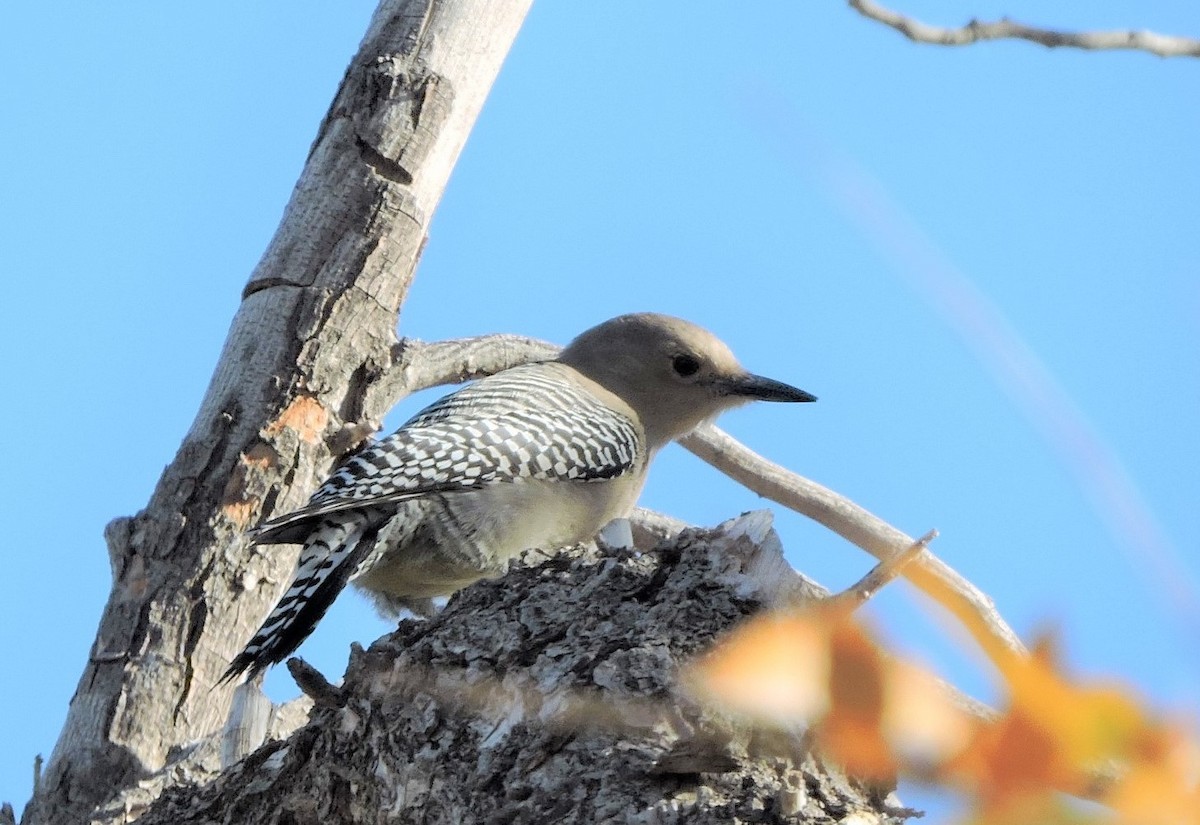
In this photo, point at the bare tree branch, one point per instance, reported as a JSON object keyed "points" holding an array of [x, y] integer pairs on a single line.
{"points": [[1163, 45], [973, 607]]}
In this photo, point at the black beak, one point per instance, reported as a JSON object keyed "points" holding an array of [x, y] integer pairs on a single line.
{"points": [[766, 389]]}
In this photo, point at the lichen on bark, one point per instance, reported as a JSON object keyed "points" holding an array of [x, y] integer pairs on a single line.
{"points": [[549, 695]]}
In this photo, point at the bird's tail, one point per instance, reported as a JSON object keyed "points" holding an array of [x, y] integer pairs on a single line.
{"points": [[330, 557]]}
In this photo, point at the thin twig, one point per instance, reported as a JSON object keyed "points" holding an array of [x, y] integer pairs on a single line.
{"points": [[1163, 45], [857, 594]]}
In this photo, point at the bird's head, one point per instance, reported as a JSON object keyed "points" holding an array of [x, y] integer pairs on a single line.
{"points": [[674, 374]]}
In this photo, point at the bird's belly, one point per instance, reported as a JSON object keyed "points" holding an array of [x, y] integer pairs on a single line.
{"points": [[438, 545]]}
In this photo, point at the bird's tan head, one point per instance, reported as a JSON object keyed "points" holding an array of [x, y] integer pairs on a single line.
{"points": [[673, 373]]}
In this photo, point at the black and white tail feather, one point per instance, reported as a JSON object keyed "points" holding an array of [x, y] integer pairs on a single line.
{"points": [[518, 424], [331, 555]]}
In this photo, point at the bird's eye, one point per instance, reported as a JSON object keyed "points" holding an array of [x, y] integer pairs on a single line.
{"points": [[685, 365]]}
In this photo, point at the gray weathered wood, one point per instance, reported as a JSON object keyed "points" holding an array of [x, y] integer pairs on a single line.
{"points": [[552, 695], [315, 328]]}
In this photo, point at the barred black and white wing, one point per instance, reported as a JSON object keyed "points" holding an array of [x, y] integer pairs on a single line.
{"points": [[522, 423], [525, 423]]}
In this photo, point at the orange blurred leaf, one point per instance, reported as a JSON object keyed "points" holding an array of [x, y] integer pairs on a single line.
{"points": [[1163, 780], [852, 731], [878, 716]]}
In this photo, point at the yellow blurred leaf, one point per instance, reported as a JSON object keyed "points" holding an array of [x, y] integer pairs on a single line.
{"points": [[774, 667], [920, 721]]}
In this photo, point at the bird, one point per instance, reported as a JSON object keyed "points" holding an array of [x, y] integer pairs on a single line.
{"points": [[541, 455]]}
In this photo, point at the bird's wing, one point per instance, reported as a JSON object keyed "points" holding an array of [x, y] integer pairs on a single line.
{"points": [[503, 428]]}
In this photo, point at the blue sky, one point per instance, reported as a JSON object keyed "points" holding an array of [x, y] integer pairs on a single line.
{"points": [[811, 186]]}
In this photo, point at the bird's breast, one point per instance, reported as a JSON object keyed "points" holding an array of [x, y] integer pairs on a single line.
{"points": [[505, 519]]}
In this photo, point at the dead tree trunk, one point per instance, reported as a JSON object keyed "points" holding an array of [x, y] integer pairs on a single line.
{"points": [[547, 695], [315, 328], [551, 695]]}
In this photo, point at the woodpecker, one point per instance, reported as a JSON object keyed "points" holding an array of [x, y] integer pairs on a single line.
{"points": [[541, 455]]}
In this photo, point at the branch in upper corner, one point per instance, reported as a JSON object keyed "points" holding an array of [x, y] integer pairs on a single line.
{"points": [[857, 594], [1163, 45]]}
